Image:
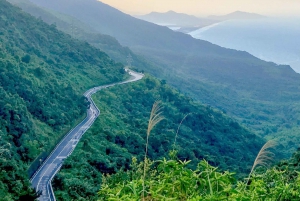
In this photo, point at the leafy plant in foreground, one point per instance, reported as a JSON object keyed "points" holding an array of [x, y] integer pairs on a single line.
{"points": [[172, 180]]}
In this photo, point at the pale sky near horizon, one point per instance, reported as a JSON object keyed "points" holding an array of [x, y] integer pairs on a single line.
{"points": [[208, 7]]}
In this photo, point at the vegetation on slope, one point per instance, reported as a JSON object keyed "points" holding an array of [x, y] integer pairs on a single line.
{"points": [[120, 133], [262, 95], [271, 111], [173, 180], [82, 31], [43, 74], [43, 69]]}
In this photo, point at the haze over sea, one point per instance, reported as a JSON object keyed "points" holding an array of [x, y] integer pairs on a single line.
{"points": [[270, 39]]}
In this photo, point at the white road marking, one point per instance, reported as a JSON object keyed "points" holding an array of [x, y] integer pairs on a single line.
{"points": [[92, 113]]}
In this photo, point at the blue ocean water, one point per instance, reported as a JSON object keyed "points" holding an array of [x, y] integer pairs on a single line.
{"points": [[270, 39]]}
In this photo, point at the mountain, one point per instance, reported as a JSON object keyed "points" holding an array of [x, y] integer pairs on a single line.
{"points": [[173, 20], [119, 135], [82, 31], [237, 15], [43, 73], [236, 82]]}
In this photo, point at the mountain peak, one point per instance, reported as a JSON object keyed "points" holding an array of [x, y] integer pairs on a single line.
{"points": [[171, 11], [237, 15]]}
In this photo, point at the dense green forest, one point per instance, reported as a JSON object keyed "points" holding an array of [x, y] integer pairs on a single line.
{"points": [[271, 111], [119, 134], [43, 74], [263, 96], [82, 31]]}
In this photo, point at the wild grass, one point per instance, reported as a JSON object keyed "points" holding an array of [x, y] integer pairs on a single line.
{"points": [[178, 130], [155, 118], [264, 157]]}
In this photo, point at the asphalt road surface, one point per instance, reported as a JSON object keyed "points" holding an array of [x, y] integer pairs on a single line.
{"points": [[41, 180]]}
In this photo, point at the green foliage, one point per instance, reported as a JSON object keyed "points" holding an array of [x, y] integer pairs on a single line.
{"points": [[14, 183], [172, 180], [263, 96], [84, 32], [26, 58], [120, 133], [43, 73]]}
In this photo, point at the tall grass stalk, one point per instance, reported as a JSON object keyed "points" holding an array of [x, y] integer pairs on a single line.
{"points": [[178, 130], [155, 118], [264, 157]]}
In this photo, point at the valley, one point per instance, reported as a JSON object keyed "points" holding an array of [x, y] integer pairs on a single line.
{"points": [[42, 179], [226, 79], [222, 110]]}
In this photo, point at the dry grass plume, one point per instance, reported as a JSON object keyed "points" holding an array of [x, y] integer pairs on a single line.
{"points": [[264, 157], [155, 118]]}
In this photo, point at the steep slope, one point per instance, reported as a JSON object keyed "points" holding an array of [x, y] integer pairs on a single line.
{"points": [[119, 134], [43, 74], [262, 95], [82, 31]]}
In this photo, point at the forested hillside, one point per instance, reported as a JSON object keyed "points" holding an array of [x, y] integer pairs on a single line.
{"points": [[43, 73], [82, 31], [262, 95], [120, 131]]}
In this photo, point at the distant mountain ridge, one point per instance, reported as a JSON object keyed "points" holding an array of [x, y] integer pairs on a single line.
{"points": [[43, 73], [186, 23], [176, 19], [236, 82], [237, 15]]}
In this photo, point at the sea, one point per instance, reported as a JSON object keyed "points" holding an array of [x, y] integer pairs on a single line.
{"points": [[270, 39]]}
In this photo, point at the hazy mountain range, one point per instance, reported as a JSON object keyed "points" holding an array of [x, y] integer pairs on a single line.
{"points": [[186, 23], [43, 74], [237, 15], [234, 101], [223, 78], [177, 21]]}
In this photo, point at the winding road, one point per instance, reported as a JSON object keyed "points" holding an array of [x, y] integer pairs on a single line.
{"points": [[41, 180]]}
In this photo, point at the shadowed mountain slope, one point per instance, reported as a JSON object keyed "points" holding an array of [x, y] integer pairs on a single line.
{"points": [[262, 95], [43, 73]]}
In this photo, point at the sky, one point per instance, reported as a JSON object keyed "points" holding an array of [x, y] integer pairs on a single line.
{"points": [[208, 7]]}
